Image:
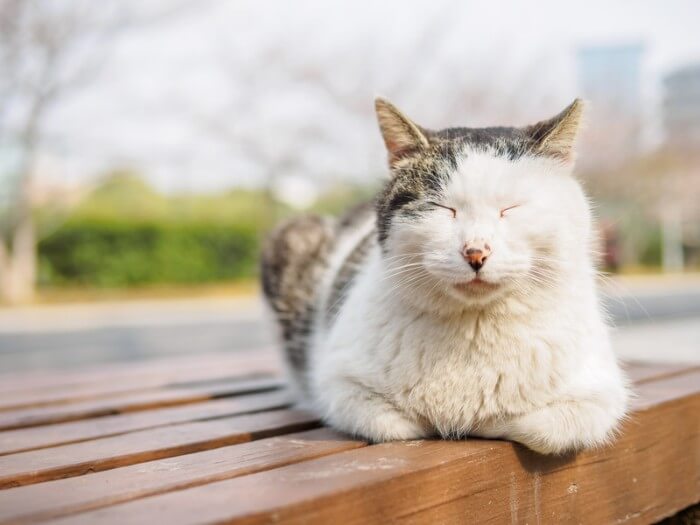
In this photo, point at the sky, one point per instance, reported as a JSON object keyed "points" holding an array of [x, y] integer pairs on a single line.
{"points": [[227, 94]]}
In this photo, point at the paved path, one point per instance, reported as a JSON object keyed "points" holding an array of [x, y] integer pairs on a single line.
{"points": [[671, 340]]}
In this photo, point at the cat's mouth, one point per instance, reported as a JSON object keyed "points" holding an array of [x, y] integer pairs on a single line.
{"points": [[477, 284]]}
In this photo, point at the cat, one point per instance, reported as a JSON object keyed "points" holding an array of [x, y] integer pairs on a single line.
{"points": [[462, 302]]}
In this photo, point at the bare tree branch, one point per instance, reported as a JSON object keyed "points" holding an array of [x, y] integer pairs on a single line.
{"points": [[45, 54]]}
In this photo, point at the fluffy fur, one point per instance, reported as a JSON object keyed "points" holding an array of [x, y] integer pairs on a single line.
{"points": [[392, 334]]}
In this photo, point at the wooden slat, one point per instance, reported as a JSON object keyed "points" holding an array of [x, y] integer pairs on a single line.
{"points": [[171, 367], [43, 398], [46, 464], [24, 439], [94, 373], [61, 387], [651, 393], [118, 404], [652, 471], [646, 372], [68, 496]]}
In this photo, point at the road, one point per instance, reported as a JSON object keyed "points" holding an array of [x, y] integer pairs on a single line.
{"points": [[652, 324]]}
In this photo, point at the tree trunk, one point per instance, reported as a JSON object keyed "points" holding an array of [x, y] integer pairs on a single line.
{"points": [[18, 259], [18, 264]]}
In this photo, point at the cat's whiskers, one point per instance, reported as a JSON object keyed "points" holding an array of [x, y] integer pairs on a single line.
{"points": [[401, 270], [410, 281]]}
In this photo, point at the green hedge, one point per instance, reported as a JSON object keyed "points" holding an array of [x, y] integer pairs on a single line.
{"points": [[651, 252], [121, 253]]}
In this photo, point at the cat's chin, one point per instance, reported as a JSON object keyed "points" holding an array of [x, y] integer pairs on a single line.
{"points": [[476, 286]]}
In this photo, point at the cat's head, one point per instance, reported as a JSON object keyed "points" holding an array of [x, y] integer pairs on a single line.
{"points": [[476, 214]]}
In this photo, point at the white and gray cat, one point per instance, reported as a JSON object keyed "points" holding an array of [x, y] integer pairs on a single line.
{"points": [[461, 302]]}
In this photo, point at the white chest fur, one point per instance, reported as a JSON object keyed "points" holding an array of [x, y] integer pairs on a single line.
{"points": [[451, 371]]}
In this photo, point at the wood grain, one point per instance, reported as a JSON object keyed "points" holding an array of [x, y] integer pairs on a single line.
{"points": [[24, 439], [68, 496], [652, 471], [119, 404], [101, 454], [26, 390]]}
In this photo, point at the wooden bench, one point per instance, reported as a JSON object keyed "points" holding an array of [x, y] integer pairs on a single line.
{"points": [[212, 438]]}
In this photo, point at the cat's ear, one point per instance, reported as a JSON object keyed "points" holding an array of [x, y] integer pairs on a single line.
{"points": [[556, 136], [401, 135]]}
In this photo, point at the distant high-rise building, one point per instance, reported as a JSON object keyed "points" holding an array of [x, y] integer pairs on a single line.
{"points": [[609, 77], [681, 107]]}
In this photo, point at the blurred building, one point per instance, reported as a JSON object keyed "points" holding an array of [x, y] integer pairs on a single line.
{"points": [[681, 116], [681, 107], [609, 76]]}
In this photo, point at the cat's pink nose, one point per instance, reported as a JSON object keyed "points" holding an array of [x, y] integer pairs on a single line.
{"points": [[476, 254]]}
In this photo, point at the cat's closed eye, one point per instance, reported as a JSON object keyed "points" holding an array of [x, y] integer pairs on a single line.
{"points": [[504, 210], [454, 212]]}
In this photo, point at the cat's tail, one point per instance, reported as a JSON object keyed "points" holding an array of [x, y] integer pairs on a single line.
{"points": [[294, 259]]}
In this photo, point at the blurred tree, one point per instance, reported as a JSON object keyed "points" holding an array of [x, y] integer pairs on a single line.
{"points": [[46, 52], [49, 50], [300, 104]]}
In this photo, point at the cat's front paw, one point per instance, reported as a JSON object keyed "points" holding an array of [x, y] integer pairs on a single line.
{"points": [[557, 429], [381, 426], [392, 426], [566, 427], [544, 444]]}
